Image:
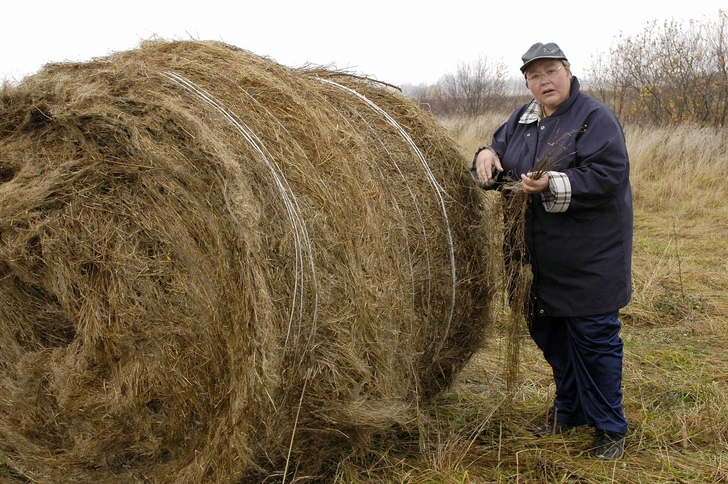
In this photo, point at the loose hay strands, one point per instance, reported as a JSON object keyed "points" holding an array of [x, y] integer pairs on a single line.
{"points": [[519, 278], [214, 268]]}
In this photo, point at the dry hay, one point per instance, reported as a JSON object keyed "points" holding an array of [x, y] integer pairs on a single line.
{"points": [[214, 268]]}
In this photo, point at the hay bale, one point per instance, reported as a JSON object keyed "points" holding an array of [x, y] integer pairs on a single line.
{"points": [[214, 267]]}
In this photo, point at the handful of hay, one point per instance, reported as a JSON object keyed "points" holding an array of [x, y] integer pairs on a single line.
{"points": [[214, 267]]}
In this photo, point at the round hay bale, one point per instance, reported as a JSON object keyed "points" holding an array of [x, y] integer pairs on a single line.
{"points": [[215, 268]]}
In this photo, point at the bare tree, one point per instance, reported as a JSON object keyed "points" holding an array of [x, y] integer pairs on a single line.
{"points": [[475, 88]]}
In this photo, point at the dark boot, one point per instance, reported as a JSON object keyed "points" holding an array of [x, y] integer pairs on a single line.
{"points": [[608, 445], [552, 428]]}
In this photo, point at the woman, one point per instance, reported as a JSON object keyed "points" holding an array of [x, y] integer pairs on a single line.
{"points": [[569, 154]]}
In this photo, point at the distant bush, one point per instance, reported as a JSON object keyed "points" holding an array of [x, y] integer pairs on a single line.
{"points": [[671, 73]]}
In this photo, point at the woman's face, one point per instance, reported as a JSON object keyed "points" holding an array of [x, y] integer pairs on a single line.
{"points": [[550, 83]]}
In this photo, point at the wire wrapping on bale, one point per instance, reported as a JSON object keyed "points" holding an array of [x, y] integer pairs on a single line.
{"points": [[214, 267]]}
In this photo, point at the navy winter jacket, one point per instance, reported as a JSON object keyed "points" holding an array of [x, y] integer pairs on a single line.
{"points": [[581, 257]]}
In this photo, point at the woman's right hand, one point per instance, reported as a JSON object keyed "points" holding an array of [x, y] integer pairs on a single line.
{"points": [[487, 166]]}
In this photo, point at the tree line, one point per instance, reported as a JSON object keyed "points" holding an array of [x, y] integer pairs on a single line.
{"points": [[474, 88], [670, 73]]}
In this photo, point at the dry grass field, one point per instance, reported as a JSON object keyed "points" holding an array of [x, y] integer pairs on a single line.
{"points": [[675, 332]]}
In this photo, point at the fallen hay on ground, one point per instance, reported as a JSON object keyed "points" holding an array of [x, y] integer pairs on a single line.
{"points": [[214, 268]]}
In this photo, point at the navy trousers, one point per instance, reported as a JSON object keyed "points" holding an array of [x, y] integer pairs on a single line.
{"points": [[585, 354]]}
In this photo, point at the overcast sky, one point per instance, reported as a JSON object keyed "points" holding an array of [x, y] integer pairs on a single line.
{"points": [[395, 41]]}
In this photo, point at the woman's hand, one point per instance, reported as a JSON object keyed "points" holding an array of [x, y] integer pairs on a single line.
{"points": [[535, 185], [486, 164]]}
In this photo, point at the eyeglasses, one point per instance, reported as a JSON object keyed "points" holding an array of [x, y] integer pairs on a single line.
{"points": [[547, 74]]}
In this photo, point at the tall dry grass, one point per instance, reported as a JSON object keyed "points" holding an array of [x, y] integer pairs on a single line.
{"points": [[675, 330]]}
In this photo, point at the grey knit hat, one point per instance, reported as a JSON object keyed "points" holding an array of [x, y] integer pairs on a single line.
{"points": [[541, 51]]}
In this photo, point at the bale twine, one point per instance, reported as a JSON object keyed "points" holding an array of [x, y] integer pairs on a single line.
{"points": [[214, 268]]}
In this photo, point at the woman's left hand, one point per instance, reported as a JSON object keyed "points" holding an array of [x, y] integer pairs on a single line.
{"points": [[535, 185]]}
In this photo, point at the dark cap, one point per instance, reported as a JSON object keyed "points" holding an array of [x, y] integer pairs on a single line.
{"points": [[541, 51]]}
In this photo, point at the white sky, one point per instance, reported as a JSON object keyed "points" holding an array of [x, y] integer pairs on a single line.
{"points": [[395, 41]]}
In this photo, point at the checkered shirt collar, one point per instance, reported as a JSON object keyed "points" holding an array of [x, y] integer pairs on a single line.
{"points": [[532, 113]]}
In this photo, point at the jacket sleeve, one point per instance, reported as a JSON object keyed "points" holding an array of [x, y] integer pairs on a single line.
{"points": [[499, 144], [602, 163]]}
